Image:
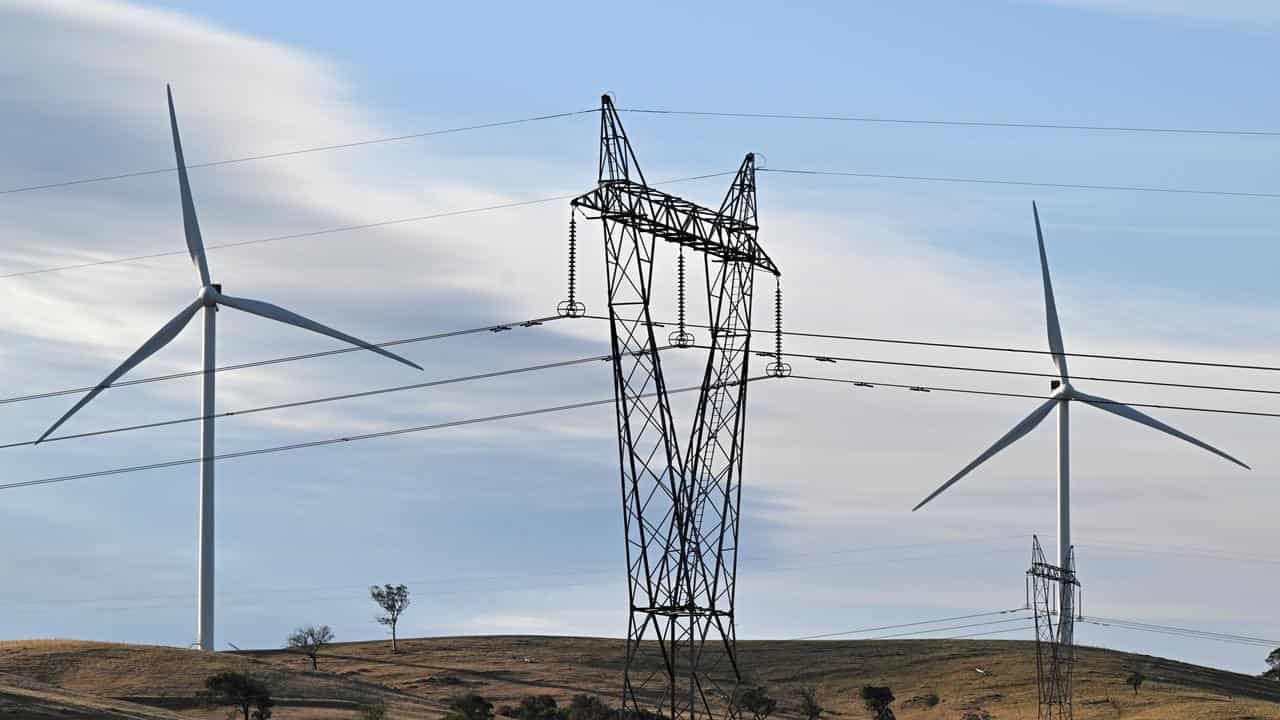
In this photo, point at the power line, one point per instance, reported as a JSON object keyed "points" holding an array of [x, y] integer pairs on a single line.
{"points": [[990, 348], [291, 153], [315, 401], [651, 111], [861, 631], [333, 441], [970, 636], [500, 327], [1022, 183], [871, 384], [1021, 373], [592, 571], [1174, 631], [959, 123], [948, 629], [337, 229]]}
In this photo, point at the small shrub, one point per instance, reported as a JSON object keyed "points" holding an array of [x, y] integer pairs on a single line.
{"points": [[470, 706], [374, 711], [877, 699], [809, 707], [588, 707], [756, 700]]}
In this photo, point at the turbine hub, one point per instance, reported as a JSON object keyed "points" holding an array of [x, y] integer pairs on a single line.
{"points": [[209, 293]]}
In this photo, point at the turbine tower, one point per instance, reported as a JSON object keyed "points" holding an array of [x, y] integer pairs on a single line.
{"points": [[1063, 393], [209, 298]]}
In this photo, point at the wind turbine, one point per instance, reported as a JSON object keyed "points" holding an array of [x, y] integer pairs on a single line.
{"points": [[1061, 397], [209, 298]]}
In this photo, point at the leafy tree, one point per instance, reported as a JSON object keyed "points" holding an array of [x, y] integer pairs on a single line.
{"points": [[393, 599], [308, 641], [1273, 661], [588, 707], [374, 711], [877, 699], [756, 700], [470, 707], [1135, 680], [248, 693], [809, 707]]}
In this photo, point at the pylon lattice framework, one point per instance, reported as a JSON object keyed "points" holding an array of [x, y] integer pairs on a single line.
{"points": [[680, 512], [1054, 593]]}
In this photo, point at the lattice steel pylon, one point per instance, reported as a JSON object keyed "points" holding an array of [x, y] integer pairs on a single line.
{"points": [[1054, 593], [680, 512]]}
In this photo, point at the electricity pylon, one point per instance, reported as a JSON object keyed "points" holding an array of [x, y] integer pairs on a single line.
{"points": [[1054, 593], [680, 512]]}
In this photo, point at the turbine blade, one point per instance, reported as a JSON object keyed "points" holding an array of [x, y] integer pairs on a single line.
{"points": [[149, 348], [1050, 307], [191, 226], [1027, 425], [1138, 416], [275, 312]]}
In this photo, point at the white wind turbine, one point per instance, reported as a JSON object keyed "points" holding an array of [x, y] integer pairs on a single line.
{"points": [[1063, 394], [209, 299]]}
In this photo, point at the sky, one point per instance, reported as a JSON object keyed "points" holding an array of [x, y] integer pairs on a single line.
{"points": [[515, 526]]}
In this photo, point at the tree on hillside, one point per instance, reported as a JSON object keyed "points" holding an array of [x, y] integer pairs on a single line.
{"points": [[1135, 680], [308, 641], [877, 699], [588, 707], [470, 707], [247, 693], [393, 599], [756, 701], [1273, 660], [535, 707], [809, 707]]}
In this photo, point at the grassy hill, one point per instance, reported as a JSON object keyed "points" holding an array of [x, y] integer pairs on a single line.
{"points": [[62, 679]]}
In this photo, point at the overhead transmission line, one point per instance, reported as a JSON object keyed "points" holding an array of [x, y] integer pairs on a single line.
{"points": [[1017, 373], [99, 603], [878, 628], [316, 401], [569, 196], [496, 328], [1022, 183], [299, 151], [987, 348], [338, 440], [534, 322], [340, 229], [657, 111], [874, 119], [871, 384], [1174, 631]]}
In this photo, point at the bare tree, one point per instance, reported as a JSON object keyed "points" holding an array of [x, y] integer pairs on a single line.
{"points": [[308, 641], [1135, 680], [393, 599]]}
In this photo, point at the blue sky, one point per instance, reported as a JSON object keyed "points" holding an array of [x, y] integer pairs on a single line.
{"points": [[515, 527]]}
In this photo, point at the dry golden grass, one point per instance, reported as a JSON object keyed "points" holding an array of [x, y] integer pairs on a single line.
{"points": [[48, 679]]}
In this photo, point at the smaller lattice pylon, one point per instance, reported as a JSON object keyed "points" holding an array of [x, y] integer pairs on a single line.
{"points": [[571, 307]]}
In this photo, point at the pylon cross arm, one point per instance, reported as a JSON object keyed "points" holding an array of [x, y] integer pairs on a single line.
{"points": [[676, 220]]}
